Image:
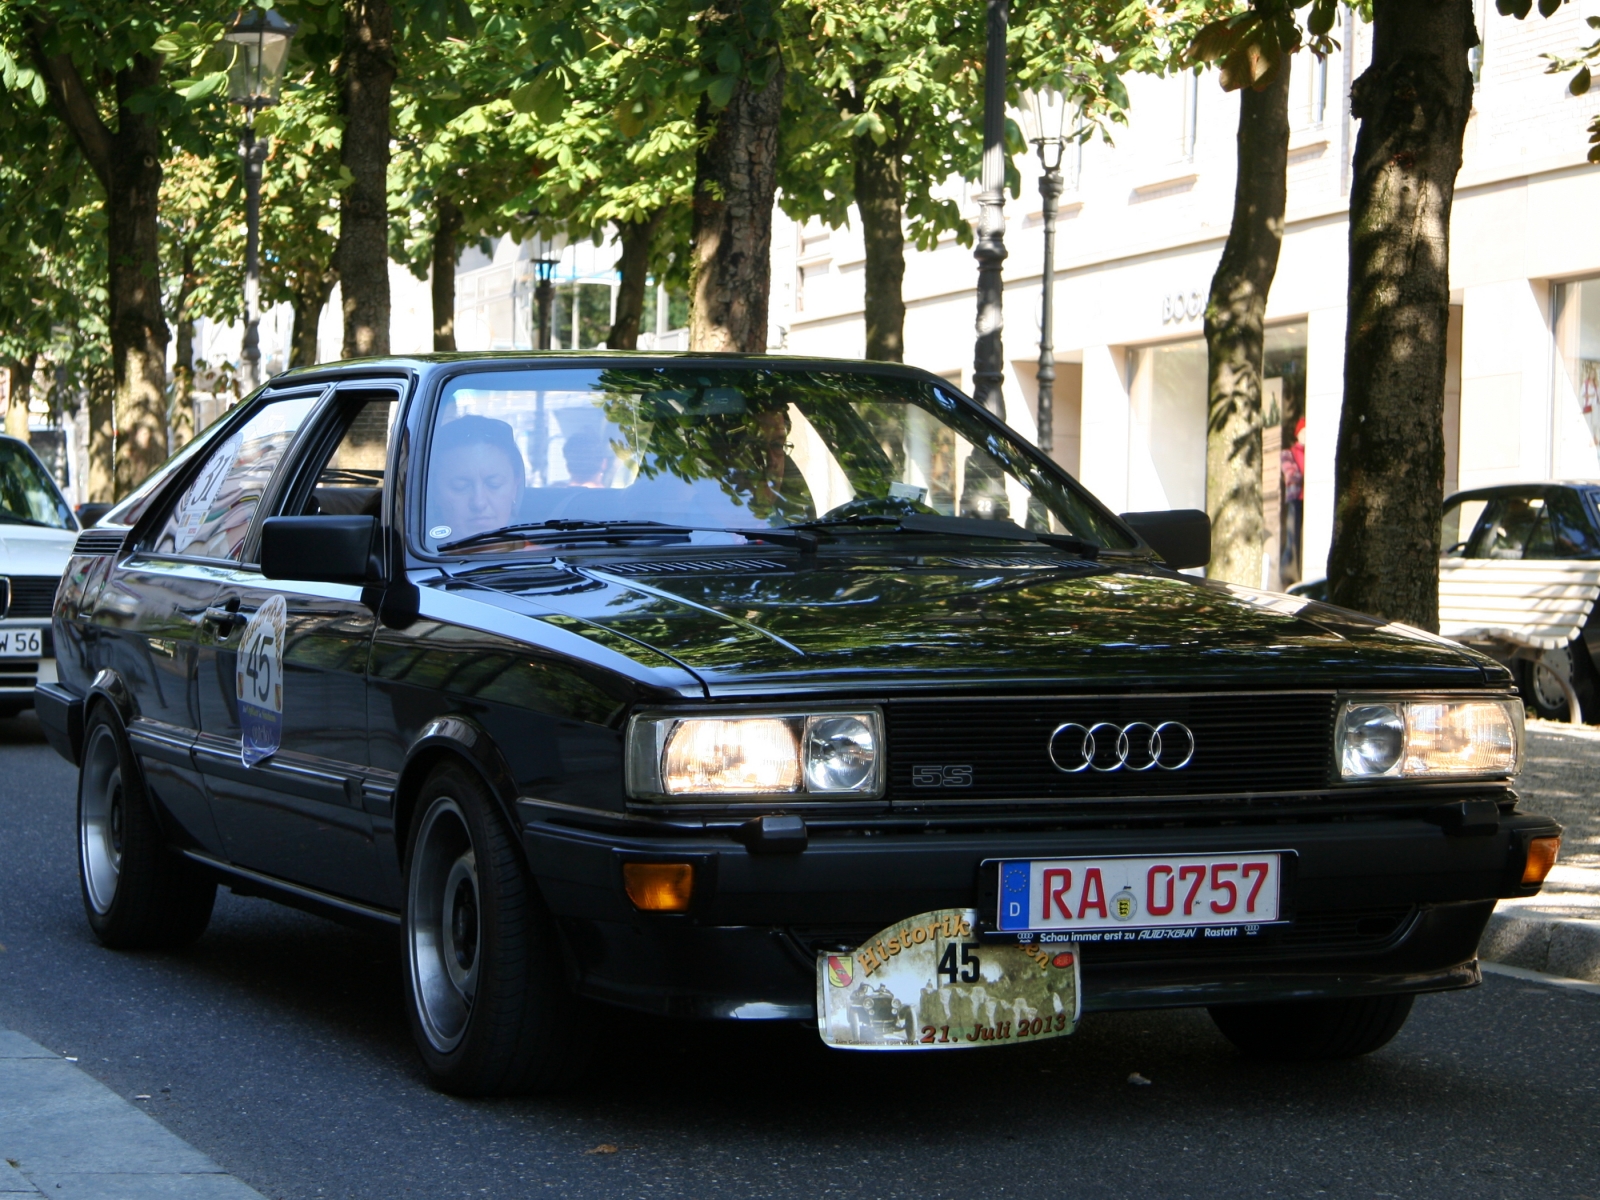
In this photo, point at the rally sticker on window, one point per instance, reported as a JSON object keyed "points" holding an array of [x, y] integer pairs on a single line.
{"points": [[196, 504], [260, 683]]}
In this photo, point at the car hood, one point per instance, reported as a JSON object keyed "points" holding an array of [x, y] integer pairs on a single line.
{"points": [[34, 549], [866, 626]]}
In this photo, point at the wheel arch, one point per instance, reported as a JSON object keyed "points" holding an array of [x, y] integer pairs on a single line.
{"points": [[110, 689], [445, 739]]}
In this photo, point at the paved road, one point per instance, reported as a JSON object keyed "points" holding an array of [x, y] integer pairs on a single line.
{"points": [[277, 1047]]}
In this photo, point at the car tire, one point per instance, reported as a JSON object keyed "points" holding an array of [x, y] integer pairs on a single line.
{"points": [[1310, 1030], [138, 893], [486, 986], [1543, 696]]}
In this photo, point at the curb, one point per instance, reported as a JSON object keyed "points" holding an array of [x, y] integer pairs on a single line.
{"points": [[65, 1135], [1564, 946]]}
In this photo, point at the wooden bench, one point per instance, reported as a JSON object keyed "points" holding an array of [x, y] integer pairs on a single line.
{"points": [[1529, 605]]}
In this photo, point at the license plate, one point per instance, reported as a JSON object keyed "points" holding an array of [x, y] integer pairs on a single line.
{"points": [[1070, 895], [19, 643], [928, 983]]}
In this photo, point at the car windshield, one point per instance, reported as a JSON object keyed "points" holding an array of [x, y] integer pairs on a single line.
{"points": [[28, 496], [734, 448]]}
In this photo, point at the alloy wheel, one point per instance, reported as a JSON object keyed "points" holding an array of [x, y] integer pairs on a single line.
{"points": [[444, 924], [101, 819]]}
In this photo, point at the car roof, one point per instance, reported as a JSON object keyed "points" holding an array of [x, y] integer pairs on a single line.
{"points": [[431, 363], [1512, 489]]}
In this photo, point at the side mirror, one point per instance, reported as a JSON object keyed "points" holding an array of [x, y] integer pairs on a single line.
{"points": [[319, 549], [1181, 536]]}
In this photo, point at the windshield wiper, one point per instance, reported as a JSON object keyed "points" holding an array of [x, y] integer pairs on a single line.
{"points": [[974, 527], [599, 531]]}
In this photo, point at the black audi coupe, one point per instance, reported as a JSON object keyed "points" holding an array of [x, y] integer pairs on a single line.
{"points": [[761, 689]]}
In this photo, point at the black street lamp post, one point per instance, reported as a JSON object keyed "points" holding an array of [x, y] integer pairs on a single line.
{"points": [[260, 39], [988, 372], [1045, 113]]}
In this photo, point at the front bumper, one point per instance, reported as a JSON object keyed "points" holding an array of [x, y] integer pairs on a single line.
{"points": [[1380, 905]]}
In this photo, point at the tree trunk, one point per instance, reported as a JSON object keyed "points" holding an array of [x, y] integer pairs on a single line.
{"points": [[366, 75], [638, 240], [181, 421], [127, 162], [311, 288], [21, 392], [447, 225], [736, 175], [1235, 320], [1412, 103], [102, 441], [880, 184]]}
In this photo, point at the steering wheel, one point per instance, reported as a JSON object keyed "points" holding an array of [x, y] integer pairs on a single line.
{"points": [[878, 506]]}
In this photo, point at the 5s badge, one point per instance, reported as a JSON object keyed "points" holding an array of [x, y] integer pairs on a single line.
{"points": [[260, 683]]}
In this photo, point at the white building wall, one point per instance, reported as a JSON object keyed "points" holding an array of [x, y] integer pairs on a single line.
{"points": [[1141, 227]]}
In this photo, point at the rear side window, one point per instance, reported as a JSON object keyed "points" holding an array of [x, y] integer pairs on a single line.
{"points": [[1571, 534], [214, 513]]}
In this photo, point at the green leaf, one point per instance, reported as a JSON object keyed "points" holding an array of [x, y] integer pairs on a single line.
{"points": [[1514, 8], [1580, 82], [1323, 14], [721, 90], [1547, 8]]}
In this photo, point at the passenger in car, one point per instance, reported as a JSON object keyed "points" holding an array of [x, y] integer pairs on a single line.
{"points": [[477, 476], [586, 455]]}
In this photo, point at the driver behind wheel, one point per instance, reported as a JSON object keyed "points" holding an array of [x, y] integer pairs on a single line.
{"points": [[476, 477]]}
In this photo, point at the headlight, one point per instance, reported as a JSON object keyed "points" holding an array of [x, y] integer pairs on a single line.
{"points": [[815, 755], [1422, 739]]}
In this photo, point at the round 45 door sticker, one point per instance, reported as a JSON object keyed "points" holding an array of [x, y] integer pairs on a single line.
{"points": [[260, 683]]}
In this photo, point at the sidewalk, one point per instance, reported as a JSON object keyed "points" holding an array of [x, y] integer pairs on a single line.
{"points": [[1558, 931], [67, 1136]]}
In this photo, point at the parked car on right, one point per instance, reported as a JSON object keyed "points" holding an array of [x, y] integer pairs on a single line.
{"points": [[1542, 525]]}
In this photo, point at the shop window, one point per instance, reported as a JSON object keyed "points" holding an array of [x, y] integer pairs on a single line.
{"points": [[1167, 458], [1577, 375]]}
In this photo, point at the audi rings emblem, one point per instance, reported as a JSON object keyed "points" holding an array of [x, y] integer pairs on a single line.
{"points": [[1107, 747]]}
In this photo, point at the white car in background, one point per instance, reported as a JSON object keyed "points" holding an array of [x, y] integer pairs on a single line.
{"points": [[37, 532]]}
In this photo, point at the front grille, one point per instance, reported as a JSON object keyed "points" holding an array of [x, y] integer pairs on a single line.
{"points": [[32, 595], [999, 749]]}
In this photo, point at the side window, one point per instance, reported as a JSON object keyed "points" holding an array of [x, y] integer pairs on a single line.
{"points": [[1457, 529], [214, 512], [350, 481], [1571, 534], [1509, 526]]}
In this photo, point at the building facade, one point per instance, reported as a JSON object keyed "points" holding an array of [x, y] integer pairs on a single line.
{"points": [[1142, 224]]}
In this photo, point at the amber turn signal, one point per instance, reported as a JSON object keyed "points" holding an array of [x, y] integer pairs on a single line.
{"points": [[659, 887], [1542, 853]]}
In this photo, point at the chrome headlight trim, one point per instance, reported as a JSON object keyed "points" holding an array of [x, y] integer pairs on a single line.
{"points": [[1420, 723], [649, 734]]}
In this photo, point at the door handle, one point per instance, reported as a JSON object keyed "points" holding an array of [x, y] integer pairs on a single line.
{"points": [[224, 619]]}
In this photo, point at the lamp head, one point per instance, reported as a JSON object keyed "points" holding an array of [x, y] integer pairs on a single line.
{"points": [[1044, 119], [259, 39]]}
